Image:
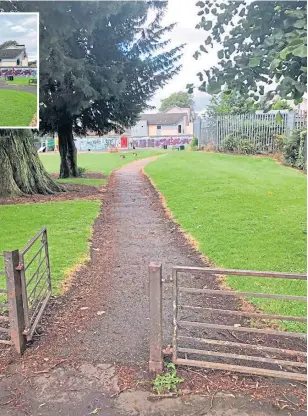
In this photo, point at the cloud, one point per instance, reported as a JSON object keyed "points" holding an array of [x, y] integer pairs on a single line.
{"points": [[18, 29], [21, 27]]}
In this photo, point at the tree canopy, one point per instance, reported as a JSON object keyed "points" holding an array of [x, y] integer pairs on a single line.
{"points": [[180, 99], [262, 43], [7, 43], [233, 103]]}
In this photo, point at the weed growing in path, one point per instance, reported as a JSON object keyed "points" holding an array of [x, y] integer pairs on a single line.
{"points": [[168, 381]]}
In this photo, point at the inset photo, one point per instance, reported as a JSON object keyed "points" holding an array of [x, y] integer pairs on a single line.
{"points": [[19, 70]]}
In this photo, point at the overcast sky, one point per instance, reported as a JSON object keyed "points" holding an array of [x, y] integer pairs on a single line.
{"points": [[185, 14], [21, 27]]}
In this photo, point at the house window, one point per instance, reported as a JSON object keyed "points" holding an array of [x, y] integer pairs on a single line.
{"points": [[18, 61], [179, 128], [158, 127]]}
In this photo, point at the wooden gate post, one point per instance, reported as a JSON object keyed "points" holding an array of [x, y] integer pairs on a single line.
{"points": [[16, 310], [156, 326]]}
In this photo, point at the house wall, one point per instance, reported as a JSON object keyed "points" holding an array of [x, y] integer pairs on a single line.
{"points": [[7, 62], [189, 129], [152, 130], [13, 62], [140, 129], [171, 130]]}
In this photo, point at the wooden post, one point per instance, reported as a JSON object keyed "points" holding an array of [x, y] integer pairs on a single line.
{"points": [[16, 310], [156, 326]]}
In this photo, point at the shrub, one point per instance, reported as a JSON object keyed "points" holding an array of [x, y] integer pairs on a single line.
{"points": [[194, 142], [279, 142], [246, 147], [238, 144], [229, 144], [293, 149]]}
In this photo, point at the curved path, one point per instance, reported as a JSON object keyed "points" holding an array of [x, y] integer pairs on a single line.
{"points": [[25, 88], [132, 232]]}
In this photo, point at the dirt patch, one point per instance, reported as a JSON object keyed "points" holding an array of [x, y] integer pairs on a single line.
{"points": [[72, 192]]}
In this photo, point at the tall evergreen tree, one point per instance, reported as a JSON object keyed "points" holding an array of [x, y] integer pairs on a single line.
{"points": [[100, 63]]}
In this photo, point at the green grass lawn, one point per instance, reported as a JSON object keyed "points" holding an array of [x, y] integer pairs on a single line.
{"points": [[20, 80], [245, 213], [97, 162], [84, 181], [17, 108], [69, 227]]}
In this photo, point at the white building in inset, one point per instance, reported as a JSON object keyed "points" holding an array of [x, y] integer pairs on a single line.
{"points": [[14, 56]]}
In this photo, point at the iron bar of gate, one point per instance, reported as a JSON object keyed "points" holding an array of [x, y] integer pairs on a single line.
{"points": [[243, 357], [242, 329], [175, 314], [238, 368], [33, 240], [235, 272], [3, 318], [156, 334], [38, 316], [15, 301], [237, 294], [242, 369], [34, 257], [246, 314], [36, 300], [33, 291], [241, 345]]}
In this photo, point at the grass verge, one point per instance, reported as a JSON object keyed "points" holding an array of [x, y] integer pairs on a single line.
{"points": [[245, 213], [69, 226], [20, 81], [17, 108], [97, 162]]}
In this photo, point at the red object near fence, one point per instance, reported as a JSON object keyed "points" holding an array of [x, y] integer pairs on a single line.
{"points": [[124, 142]]}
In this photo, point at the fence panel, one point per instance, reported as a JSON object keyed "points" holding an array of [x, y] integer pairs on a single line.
{"points": [[260, 129]]}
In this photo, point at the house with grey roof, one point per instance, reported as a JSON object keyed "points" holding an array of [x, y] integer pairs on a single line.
{"points": [[173, 122], [13, 56]]}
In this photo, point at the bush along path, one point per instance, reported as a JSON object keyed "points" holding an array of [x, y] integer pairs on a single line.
{"points": [[95, 346]]}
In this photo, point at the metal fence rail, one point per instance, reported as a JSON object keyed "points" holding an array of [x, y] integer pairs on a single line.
{"points": [[260, 129], [283, 362]]}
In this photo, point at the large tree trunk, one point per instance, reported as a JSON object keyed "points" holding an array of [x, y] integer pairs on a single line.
{"points": [[21, 171], [68, 151]]}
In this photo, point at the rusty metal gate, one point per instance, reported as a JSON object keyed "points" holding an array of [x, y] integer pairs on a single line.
{"points": [[25, 288], [214, 329], [35, 280], [5, 336]]}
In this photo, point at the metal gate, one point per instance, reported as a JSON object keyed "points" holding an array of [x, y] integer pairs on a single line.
{"points": [[35, 280], [204, 321], [5, 337]]}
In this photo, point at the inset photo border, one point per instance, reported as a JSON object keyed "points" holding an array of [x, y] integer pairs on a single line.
{"points": [[19, 70]]}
